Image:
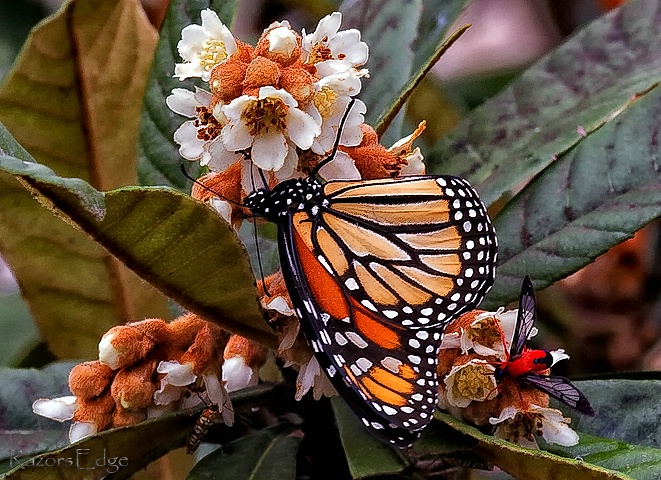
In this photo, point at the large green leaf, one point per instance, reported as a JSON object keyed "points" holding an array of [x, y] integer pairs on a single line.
{"points": [[593, 197], [267, 454], [159, 157], [626, 410], [19, 333], [73, 100], [521, 131], [23, 432], [178, 244]]}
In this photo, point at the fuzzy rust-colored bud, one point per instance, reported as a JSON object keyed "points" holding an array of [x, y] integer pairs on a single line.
{"points": [[124, 345], [298, 82], [226, 82], [134, 388], [261, 72], [123, 418], [371, 158], [97, 411], [227, 186], [280, 44], [90, 379]]}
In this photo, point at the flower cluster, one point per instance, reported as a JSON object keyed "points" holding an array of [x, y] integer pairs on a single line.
{"points": [[152, 367], [276, 108], [472, 346]]}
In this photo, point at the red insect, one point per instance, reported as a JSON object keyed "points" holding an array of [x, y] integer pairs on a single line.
{"points": [[526, 365]]}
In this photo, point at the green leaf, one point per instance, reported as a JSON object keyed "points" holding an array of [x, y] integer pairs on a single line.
{"points": [[19, 333], [626, 410], [389, 29], [519, 132], [524, 463], [23, 432], [640, 463], [591, 198], [73, 100], [366, 455], [159, 157], [176, 243], [267, 454]]}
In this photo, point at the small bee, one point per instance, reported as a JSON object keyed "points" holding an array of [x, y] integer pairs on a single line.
{"points": [[205, 421]]}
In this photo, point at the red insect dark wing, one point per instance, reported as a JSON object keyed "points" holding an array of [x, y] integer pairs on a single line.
{"points": [[525, 319], [562, 389]]}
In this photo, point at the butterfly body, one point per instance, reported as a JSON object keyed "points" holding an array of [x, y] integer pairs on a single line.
{"points": [[375, 270], [526, 365]]}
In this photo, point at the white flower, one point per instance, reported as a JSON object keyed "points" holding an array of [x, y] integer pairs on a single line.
{"points": [[280, 305], [471, 381], [486, 334], [60, 409], [270, 125], [341, 168], [520, 426], [558, 355], [204, 47], [223, 208], [311, 376], [108, 354], [403, 149], [80, 430], [173, 384], [333, 94], [282, 40], [199, 139], [328, 43], [237, 374]]}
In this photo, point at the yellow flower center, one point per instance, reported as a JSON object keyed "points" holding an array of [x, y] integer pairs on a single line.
{"points": [[325, 100], [473, 381], [208, 127], [213, 52], [265, 114], [487, 332]]}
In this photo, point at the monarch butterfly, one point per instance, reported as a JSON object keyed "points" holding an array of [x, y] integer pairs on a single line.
{"points": [[204, 422], [375, 270], [526, 365]]}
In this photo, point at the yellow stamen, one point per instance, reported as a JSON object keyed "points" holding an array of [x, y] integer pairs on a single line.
{"points": [[260, 116], [325, 101], [213, 52], [474, 382]]}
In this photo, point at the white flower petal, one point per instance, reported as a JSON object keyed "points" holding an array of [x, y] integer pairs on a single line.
{"points": [[190, 147], [282, 40], [414, 164], [279, 304], [306, 377], [558, 355], [214, 28], [238, 375], [269, 151], [182, 101], [348, 42], [234, 109], [177, 375], [80, 430], [60, 409], [223, 208], [217, 157], [341, 168], [288, 169], [167, 394], [236, 136], [284, 95], [327, 27], [288, 339], [508, 413], [190, 44], [451, 340], [301, 128], [555, 428], [107, 353]]}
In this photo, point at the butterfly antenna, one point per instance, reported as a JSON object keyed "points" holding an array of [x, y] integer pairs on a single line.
{"points": [[200, 184], [266, 184], [330, 157]]}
